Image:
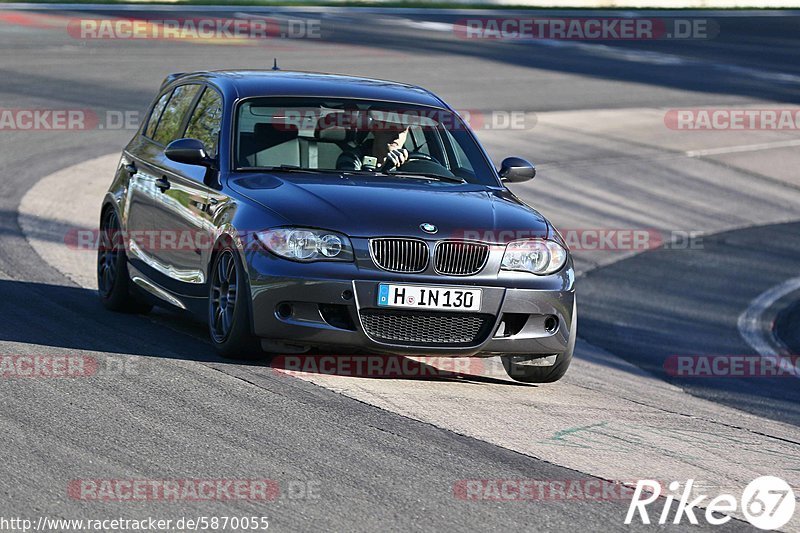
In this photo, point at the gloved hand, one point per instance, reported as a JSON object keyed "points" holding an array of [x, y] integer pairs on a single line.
{"points": [[395, 158]]}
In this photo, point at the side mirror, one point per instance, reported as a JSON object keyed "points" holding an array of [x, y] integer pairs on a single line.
{"points": [[189, 151], [516, 170]]}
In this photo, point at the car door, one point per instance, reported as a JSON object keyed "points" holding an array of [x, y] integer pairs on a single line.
{"points": [[181, 214], [139, 198], [203, 123], [172, 200]]}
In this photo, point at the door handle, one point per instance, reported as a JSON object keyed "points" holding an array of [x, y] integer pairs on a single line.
{"points": [[131, 169], [162, 183], [206, 206]]}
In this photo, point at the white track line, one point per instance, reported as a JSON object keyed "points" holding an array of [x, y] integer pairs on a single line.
{"points": [[752, 327], [743, 148]]}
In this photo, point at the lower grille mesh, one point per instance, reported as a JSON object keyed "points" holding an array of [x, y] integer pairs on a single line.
{"points": [[426, 328]]}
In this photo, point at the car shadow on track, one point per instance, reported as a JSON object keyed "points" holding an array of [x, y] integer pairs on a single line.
{"points": [[72, 318], [380, 366]]}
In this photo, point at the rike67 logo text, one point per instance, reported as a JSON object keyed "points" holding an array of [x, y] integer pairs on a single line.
{"points": [[767, 503]]}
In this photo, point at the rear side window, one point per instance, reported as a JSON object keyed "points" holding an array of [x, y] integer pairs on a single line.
{"points": [[169, 126], [152, 122], [205, 122]]}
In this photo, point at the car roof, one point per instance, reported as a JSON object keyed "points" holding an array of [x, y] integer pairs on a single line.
{"points": [[249, 83]]}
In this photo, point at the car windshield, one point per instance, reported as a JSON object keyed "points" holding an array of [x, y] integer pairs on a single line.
{"points": [[354, 136]]}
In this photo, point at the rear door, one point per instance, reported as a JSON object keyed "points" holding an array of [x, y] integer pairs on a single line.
{"points": [[139, 199]]}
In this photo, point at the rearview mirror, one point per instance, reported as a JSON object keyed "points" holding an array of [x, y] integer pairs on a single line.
{"points": [[188, 151], [516, 170]]}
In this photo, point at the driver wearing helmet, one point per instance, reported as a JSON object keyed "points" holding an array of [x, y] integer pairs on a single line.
{"points": [[383, 152]]}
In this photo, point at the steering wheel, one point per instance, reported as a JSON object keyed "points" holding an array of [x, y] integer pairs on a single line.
{"points": [[412, 157], [424, 164], [419, 156]]}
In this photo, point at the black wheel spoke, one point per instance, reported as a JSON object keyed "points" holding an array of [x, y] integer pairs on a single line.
{"points": [[107, 279], [230, 273], [222, 297], [108, 252], [226, 321], [218, 318], [221, 269]]}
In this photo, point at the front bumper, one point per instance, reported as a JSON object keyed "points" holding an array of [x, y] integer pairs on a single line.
{"points": [[296, 310]]}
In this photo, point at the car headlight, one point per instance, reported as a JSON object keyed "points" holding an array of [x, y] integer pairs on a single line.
{"points": [[306, 245], [535, 256]]}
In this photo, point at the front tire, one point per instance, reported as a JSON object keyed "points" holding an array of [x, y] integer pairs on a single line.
{"points": [[544, 374], [229, 307], [537, 374], [113, 281]]}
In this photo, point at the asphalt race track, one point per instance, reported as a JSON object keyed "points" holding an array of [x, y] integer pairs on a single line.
{"points": [[362, 453]]}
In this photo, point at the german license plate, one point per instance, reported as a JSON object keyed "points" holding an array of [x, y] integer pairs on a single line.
{"points": [[428, 297]]}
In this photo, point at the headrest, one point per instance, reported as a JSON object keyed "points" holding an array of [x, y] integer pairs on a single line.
{"points": [[326, 132], [389, 121], [353, 126], [285, 131], [342, 126]]}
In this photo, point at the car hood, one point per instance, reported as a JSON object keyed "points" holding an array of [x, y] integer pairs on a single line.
{"points": [[371, 206]]}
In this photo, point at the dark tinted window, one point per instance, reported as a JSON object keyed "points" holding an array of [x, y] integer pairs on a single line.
{"points": [[152, 122], [461, 158], [205, 122], [169, 126]]}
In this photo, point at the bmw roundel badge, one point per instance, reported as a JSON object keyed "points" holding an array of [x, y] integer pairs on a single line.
{"points": [[428, 228]]}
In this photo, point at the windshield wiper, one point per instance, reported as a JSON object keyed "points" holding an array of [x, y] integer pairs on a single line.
{"points": [[295, 168], [292, 168], [281, 168], [430, 175]]}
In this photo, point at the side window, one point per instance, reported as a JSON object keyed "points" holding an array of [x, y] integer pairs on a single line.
{"points": [[462, 161], [152, 122], [416, 141], [205, 122], [169, 126]]}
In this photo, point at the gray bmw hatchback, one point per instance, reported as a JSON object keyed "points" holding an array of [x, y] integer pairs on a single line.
{"points": [[297, 211]]}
